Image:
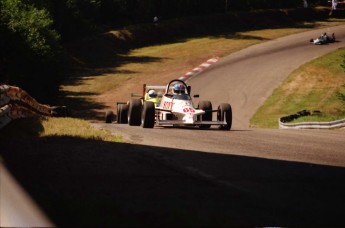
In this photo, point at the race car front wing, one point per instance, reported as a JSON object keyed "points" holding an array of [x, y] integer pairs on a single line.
{"points": [[194, 123]]}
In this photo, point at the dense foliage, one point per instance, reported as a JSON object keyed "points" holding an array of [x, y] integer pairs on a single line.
{"points": [[32, 32], [30, 54]]}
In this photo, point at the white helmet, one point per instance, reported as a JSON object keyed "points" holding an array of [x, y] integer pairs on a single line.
{"points": [[152, 93]]}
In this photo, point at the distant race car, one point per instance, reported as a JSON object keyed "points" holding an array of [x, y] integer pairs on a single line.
{"points": [[173, 108], [323, 39]]}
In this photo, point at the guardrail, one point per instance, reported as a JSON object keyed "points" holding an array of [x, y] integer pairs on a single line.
{"points": [[17, 103], [283, 122]]}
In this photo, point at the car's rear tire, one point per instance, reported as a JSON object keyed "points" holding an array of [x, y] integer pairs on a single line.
{"points": [[148, 115], [134, 112], [225, 113], [109, 117], [122, 113], [206, 106]]}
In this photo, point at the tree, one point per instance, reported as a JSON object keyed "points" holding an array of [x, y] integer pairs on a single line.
{"points": [[30, 48]]}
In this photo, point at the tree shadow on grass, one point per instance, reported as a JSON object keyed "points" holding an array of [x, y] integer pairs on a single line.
{"points": [[104, 62], [81, 106], [111, 49], [87, 182]]}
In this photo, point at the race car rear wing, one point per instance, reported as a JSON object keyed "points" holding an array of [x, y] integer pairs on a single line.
{"points": [[146, 88], [160, 90], [155, 87]]}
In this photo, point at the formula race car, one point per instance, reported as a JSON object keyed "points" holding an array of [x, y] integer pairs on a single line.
{"points": [[174, 107], [323, 39]]}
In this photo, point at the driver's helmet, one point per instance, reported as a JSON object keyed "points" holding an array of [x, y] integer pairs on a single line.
{"points": [[152, 93], [179, 89]]}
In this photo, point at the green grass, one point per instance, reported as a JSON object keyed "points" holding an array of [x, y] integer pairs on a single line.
{"points": [[40, 128], [75, 128], [313, 86]]}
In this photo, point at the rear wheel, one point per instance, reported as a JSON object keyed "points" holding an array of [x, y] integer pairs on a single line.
{"points": [[225, 113], [122, 113], [109, 116], [206, 106], [148, 115], [134, 112]]}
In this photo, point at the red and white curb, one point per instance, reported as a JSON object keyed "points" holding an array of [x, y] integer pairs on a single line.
{"points": [[198, 69]]}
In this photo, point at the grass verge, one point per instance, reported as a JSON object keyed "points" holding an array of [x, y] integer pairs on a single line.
{"points": [[313, 86], [76, 128], [40, 128]]}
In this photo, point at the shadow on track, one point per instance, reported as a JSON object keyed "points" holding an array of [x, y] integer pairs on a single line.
{"points": [[80, 182]]}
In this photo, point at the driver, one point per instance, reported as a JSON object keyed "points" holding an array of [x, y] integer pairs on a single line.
{"points": [[152, 96], [324, 37], [179, 89]]}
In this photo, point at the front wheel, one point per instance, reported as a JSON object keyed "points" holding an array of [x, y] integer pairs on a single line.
{"points": [[207, 107], [148, 115], [225, 113]]}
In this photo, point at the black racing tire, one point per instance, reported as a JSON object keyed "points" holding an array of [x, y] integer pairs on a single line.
{"points": [[122, 113], [134, 112], [206, 106], [148, 115], [109, 116], [225, 112]]}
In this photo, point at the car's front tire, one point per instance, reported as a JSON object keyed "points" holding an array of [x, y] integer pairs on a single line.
{"points": [[225, 113], [206, 106]]}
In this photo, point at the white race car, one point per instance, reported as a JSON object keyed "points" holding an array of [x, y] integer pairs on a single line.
{"points": [[174, 109], [323, 39]]}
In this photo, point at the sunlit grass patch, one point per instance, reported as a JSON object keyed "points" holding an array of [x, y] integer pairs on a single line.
{"points": [[76, 128], [313, 86]]}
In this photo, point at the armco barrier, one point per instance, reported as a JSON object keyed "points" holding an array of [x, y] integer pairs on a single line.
{"points": [[17, 103], [313, 125], [283, 122]]}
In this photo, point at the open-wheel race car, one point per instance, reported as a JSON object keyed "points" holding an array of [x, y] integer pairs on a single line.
{"points": [[171, 105], [323, 39]]}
